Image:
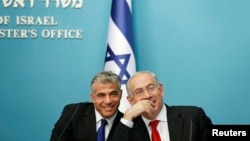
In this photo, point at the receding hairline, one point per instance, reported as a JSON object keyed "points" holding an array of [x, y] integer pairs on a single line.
{"points": [[139, 73]]}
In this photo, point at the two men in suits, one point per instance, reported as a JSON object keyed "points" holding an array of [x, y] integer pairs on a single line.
{"points": [[80, 121], [175, 123]]}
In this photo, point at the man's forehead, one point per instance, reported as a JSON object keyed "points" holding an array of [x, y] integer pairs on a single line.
{"points": [[142, 77]]}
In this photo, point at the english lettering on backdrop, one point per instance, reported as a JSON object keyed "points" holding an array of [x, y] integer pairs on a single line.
{"points": [[18, 33], [30, 20], [4, 20], [29, 26], [62, 34]]}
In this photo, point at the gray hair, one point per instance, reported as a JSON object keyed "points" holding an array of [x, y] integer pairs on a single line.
{"points": [[138, 73], [105, 77]]}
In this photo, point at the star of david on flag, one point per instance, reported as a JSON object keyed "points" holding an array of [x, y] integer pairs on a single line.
{"points": [[120, 52]]}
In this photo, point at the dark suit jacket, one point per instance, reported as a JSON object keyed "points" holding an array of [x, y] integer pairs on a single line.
{"points": [[78, 123], [185, 123]]}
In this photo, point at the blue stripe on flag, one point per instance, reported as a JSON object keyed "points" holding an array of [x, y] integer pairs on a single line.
{"points": [[122, 17], [122, 66]]}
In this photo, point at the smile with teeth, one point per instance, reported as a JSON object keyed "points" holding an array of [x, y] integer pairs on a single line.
{"points": [[108, 108]]}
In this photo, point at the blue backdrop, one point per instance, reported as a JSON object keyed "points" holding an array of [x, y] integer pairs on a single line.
{"points": [[199, 49]]}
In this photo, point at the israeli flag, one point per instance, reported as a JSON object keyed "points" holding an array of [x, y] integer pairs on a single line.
{"points": [[120, 56]]}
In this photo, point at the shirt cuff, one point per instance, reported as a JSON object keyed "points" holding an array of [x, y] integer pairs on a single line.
{"points": [[127, 122]]}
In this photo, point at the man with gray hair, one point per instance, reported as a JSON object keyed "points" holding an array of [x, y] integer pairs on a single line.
{"points": [[86, 121], [150, 119]]}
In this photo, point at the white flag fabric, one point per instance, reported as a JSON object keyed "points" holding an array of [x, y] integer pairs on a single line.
{"points": [[120, 56]]}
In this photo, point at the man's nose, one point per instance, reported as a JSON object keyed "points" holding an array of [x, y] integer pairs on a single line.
{"points": [[146, 95], [107, 99]]}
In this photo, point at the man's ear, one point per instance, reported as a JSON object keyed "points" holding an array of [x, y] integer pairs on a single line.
{"points": [[121, 94], [91, 96], [130, 99], [161, 89]]}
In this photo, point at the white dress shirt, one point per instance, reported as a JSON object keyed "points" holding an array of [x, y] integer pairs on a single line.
{"points": [[109, 124], [162, 126]]}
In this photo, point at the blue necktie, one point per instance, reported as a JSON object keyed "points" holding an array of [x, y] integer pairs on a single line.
{"points": [[101, 131]]}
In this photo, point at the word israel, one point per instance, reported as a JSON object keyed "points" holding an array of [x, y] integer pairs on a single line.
{"points": [[216, 132], [58, 3], [29, 20]]}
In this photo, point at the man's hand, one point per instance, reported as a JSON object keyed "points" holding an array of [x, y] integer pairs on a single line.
{"points": [[144, 106]]}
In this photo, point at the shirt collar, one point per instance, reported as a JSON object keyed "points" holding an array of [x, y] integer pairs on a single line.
{"points": [[162, 116], [110, 120]]}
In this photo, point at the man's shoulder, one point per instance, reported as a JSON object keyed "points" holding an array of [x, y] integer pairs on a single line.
{"points": [[185, 109], [78, 105]]}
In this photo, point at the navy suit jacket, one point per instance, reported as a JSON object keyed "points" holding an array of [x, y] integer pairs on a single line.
{"points": [[185, 123], [78, 123]]}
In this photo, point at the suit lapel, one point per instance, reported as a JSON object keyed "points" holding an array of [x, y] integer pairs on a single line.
{"points": [[140, 129], [116, 121], [89, 120], [175, 124]]}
